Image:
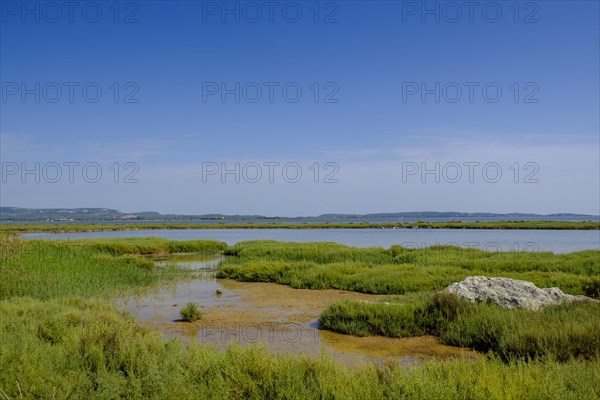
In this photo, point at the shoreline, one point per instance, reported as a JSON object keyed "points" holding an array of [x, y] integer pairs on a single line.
{"points": [[109, 227]]}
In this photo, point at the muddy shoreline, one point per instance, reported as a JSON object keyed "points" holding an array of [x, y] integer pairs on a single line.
{"points": [[281, 318]]}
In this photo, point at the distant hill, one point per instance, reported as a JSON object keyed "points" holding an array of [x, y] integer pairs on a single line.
{"points": [[89, 214], [34, 214], [458, 215], [17, 214]]}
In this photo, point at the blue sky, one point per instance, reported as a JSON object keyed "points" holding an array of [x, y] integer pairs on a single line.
{"points": [[365, 128]]}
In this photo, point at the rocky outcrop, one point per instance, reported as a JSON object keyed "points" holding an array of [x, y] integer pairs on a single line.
{"points": [[509, 293]]}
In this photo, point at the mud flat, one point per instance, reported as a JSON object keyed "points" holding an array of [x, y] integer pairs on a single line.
{"points": [[279, 317]]}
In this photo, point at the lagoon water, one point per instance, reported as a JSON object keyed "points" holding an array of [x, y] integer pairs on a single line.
{"points": [[557, 241]]}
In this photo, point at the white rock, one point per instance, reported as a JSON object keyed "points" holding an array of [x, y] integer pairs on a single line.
{"points": [[509, 293]]}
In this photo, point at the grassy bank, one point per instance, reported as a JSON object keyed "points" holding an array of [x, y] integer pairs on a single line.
{"points": [[47, 269], [146, 246], [102, 226], [84, 348], [560, 332], [399, 270]]}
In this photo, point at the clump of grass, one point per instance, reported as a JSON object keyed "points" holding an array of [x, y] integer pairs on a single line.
{"points": [[137, 261], [591, 288], [147, 245], [559, 331], [190, 312], [362, 318], [231, 251], [9, 244]]}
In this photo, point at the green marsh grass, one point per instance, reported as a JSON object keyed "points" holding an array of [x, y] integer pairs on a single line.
{"points": [[561, 331], [61, 337], [591, 288], [190, 312], [147, 245], [49, 269], [399, 270], [570, 330], [85, 348]]}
